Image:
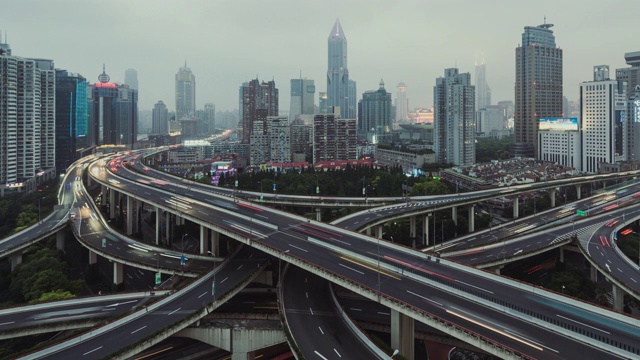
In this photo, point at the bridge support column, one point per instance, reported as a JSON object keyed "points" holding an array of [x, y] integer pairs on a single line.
{"points": [[130, 201], [60, 241], [561, 255], [552, 197], [16, 259], [618, 298], [241, 355], [112, 204], [379, 231], [516, 212], [204, 240], [498, 268], [89, 181], [93, 257], [157, 225], [594, 274], [215, 242], [368, 231], [103, 197], [117, 273], [425, 229], [578, 191], [472, 218], [318, 214], [402, 334], [454, 214], [167, 227], [412, 226]]}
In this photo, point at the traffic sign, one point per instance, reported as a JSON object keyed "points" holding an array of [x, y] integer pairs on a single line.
{"points": [[581, 213], [236, 183], [158, 278], [104, 243], [213, 287], [183, 259]]}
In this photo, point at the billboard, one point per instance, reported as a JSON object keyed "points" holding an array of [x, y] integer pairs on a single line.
{"points": [[559, 124]]}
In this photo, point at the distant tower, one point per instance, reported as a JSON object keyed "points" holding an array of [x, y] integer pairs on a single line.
{"points": [[160, 119], [340, 90], [454, 118], [185, 92], [483, 92], [538, 87], [402, 103], [302, 98], [131, 79], [375, 121]]}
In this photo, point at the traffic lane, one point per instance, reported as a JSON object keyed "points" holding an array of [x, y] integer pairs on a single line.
{"points": [[602, 250], [252, 301], [180, 306], [315, 324]]}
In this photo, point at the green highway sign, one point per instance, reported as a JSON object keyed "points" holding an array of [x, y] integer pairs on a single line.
{"points": [[213, 287], [104, 243], [158, 278], [581, 213]]}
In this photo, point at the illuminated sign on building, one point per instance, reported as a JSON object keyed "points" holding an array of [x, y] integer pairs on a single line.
{"points": [[105, 85], [559, 124]]}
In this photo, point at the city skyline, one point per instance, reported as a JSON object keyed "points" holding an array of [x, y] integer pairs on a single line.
{"points": [[418, 39]]}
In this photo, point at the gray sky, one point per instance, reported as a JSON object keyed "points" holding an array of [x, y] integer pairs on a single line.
{"points": [[228, 42]]}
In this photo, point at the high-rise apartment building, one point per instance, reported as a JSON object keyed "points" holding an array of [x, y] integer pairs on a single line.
{"points": [[489, 119], [454, 118], [402, 104], [259, 100], [633, 121], [323, 103], [113, 112], [27, 121], [538, 86], [185, 93], [303, 93], [631, 76], [131, 78], [209, 115], [301, 141], [270, 141], [160, 119], [341, 91], [334, 138], [483, 91], [602, 104], [73, 138], [375, 122]]}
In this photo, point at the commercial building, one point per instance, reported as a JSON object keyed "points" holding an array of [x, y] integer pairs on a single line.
{"points": [[454, 118], [483, 91], [631, 76], [185, 92], [73, 139], [207, 119], [375, 122], [402, 105], [131, 78], [409, 161], [538, 86], [160, 119], [303, 92], [490, 118], [559, 142], [341, 91]]}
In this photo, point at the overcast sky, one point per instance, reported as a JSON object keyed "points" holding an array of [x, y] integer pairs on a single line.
{"points": [[228, 42]]}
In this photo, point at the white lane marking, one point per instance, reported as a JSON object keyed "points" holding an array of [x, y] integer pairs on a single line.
{"points": [[239, 267], [171, 313], [322, 332], [7, 323], [203, 294], [334, 349], [122, 303], [422, 297], [531, 341], [355, 309], [203, 213], [383, 313], [352, 269], [473, 286], [340, 241], [262, 216], [89, 352], [299, 248], [583, 324], [322, 357], [311, 311], [632, 279], [135, 331], [225, 279], [306, 294]]}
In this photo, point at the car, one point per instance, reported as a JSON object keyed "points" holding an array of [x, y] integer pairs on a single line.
{"points": [[72, 216]]}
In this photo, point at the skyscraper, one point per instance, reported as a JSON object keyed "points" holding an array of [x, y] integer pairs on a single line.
{"points": [[402, 103], [160, 119], [302, 98], [454, 118], [185, 92], [375, 121], [72, 127], [259, 100], [483, 92], [340, 90], [631, 76], [538, 88], [601, 105], [131, 79], [210, 117]]}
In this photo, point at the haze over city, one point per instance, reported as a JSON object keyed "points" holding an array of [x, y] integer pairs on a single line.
{"points": [[226, 43]]}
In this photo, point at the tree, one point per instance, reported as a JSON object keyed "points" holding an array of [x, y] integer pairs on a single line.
{"points": [[53, 296]]}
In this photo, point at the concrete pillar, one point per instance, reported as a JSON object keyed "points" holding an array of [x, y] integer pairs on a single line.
{"points": [[60, 241], [16, 259], [215, 242], [578, 192], [379, 231], [93, 257], [117, 273], [130, 201], [318, 214], [594, 274], [472, 218], [425, 229], [157, 225], [412, 226], [402, 334], [454, 214], [204, 240], [497, 269], [618, 298], [368, 231], [89, 181], [561, 255], [552, 197], [167, 227], [240, 355], [516, 211], [112, 204], [103, 198]]}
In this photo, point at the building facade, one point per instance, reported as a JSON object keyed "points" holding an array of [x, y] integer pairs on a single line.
{"points": [[631, 76], [334, 138], [160, 119], [73, 139], [402, 105], [489, 118], [538, 86], [483, 91], [562, 147], [454, 118], [131, 78], [303, 92], [259, 100], [375, 122], [185, 92], [341, 91], [301, 141]]}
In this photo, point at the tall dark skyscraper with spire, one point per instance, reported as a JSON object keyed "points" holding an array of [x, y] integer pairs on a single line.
{"points": [[340, 90]]}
